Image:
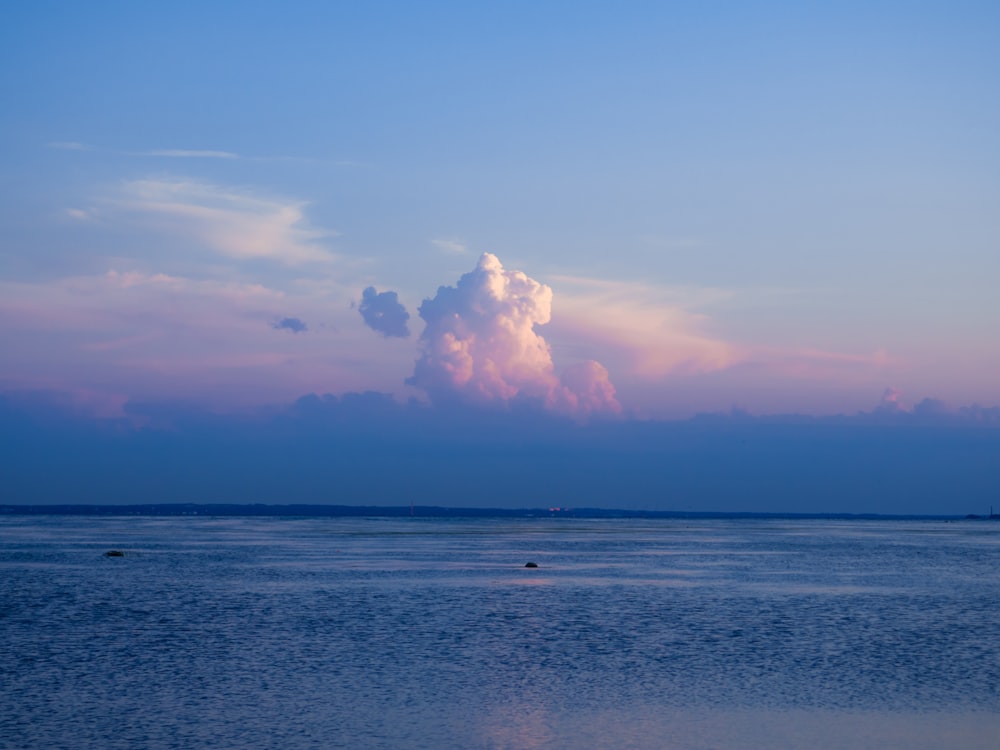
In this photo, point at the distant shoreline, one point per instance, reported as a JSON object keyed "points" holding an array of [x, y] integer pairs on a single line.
{"points": [[430, 511]]}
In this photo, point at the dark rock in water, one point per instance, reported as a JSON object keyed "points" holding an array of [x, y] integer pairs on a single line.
{"points": [[114, 553], [531, 565]]}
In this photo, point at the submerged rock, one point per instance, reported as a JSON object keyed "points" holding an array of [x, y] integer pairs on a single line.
{"points": [[114, 553]]}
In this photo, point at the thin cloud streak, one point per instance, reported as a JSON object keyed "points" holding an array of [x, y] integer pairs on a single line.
{"points": [[450, 246], [642, 327], [191, 153], [69, 146], [656, 332], [172, 153], [122, 342], [819, 364], [157, 335], [235, 224], [176, 153], [83, 303]]}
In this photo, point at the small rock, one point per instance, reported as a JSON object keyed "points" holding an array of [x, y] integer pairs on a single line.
{"points": [[531, 565]]}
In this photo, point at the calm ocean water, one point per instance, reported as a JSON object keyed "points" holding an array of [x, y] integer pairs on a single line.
{"points": [[416, 633]]}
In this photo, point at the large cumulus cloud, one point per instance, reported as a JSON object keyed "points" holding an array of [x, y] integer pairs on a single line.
{"points": [[480, 346]]}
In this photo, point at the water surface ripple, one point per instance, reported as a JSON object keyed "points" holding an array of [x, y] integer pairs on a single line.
{"points": [[431, 633]]}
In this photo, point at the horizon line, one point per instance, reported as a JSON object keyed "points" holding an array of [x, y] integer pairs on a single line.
{"points": [[435, 511]]}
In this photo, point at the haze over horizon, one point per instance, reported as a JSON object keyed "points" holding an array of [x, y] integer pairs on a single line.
{"points": [[560, 224]]}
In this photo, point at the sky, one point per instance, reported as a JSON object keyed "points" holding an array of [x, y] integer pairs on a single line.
{"points": [[605, 213]]}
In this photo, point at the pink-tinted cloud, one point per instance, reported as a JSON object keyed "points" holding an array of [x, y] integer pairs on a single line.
{"points": [[584, 389], [819, 365], [132, 300], [167, 336], [892, 402], [649, 332], [480, 346]]}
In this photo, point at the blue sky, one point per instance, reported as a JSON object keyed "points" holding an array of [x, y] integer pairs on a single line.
{"points": [[791, 207], [657, 209]]}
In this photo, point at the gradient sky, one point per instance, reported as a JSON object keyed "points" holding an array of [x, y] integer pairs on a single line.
{"points": [[540, 237], [783, 207]]}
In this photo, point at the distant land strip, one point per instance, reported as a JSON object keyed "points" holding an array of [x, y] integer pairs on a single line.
{"points": [[431, 511]]}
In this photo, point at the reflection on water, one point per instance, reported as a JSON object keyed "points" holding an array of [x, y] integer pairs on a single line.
{"points": [[416, 633]]}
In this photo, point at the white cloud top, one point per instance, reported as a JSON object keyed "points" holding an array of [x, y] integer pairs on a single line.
{"points": [[480, 346]]}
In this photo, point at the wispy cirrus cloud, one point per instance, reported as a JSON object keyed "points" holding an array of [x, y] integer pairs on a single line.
{"points": [[653, 332], [171, 336], [877, 358], [200, 153], [819, 364], [121, 342], [180, 153], [69, 146], [450, 245], [167, 153], [116, 301], [237, 224], [78, 214], [650, 331], [108, 332]]}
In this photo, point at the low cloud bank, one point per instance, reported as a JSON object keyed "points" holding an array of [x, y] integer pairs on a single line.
{"points": [[368, 449]]}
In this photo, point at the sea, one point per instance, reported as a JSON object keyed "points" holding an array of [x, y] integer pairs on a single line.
{"points": [[400, 633]]}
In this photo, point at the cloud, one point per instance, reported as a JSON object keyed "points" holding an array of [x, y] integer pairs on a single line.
{"points": [[233, 223], [650, 330], [82, 303], [168, 335], [290, 324], [93, 447], [115, 344], [449, 246], [79, 214], [878, 358], [69, 146], [480, 347], [821, 365], [930, 407], [383, 312], [585, 389], [177, 153], [172, 153], [892, 402]]}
